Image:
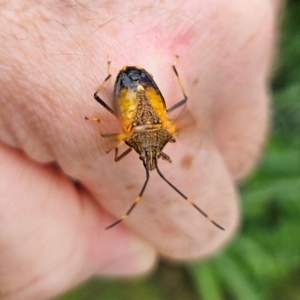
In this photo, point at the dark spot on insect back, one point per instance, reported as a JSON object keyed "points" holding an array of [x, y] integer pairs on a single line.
{"points": [[186, 162]]}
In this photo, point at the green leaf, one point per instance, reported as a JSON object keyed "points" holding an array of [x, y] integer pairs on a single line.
{"points": [[236, 279], [204, 277]]}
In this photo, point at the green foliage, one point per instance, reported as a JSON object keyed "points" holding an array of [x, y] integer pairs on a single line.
{"points": [[263, 262], [168, 282]]}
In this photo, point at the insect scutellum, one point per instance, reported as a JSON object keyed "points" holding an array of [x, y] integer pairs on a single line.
{"points": [[141, 110]]}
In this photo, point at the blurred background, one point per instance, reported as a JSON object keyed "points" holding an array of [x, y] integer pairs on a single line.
{"points": [[263, 260]]}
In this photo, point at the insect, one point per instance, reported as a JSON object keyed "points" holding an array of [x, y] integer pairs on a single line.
{"points": [[141, 110]]}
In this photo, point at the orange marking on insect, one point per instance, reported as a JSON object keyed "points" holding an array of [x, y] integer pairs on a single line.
{"points": [[190, 201], [137, 199], [140, 88]]}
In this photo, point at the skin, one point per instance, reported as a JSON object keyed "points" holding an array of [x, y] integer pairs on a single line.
{"points": [[53, 58]]}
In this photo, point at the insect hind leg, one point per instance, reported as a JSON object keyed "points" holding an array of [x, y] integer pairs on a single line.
{"points": [[185, 98], [97, 98]]}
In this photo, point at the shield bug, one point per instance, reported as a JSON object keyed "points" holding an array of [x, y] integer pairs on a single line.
{"points": [[141, 110]]}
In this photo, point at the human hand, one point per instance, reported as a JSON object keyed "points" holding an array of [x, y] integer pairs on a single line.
{"points": [[53, 58]]}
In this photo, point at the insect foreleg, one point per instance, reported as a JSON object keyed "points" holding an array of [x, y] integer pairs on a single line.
{"points": [[118, 158]]}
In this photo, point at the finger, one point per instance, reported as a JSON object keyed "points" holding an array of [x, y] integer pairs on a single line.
{"points": [[229, 89], [52, 234], [176, 228]]}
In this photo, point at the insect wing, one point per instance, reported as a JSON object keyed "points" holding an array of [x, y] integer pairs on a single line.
{"points": [[125, 95], [187, 131]]}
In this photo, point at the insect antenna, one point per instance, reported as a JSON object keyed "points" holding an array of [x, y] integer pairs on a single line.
{"points": [[136, 201], [188, 200]]}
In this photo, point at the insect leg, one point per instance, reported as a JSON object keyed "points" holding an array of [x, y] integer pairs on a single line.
{"points": [[136, 201], [185, 98], [119, 136], [117, 158], [164, 156], [189, 200], [97, 98]]}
